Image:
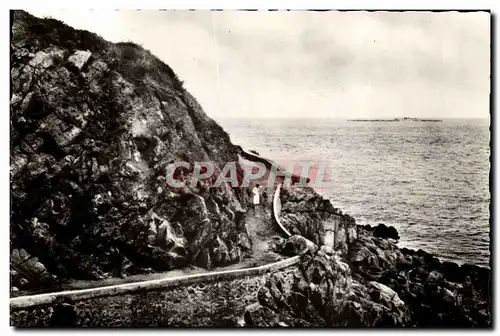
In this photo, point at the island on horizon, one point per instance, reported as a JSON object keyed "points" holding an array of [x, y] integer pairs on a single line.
{"points": [[398, 119]]}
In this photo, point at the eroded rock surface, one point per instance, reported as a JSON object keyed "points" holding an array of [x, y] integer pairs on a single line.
{"points": [[94, 128], [305, 212], [437, 293], [323, 292], [379, 285]]}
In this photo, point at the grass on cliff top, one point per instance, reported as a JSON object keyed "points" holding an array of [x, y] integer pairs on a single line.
{"points": [[137, 63], [38, 34], [130, 59]]}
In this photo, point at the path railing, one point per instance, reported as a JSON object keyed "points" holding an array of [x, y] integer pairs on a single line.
{"points": [[23, 302], [277, 210]]}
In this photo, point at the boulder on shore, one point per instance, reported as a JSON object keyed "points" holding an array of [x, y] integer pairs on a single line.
{"points": [[298, 245], [383, 231]]}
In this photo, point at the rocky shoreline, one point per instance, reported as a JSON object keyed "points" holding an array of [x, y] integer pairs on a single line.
{"points": [[363, 280], [378, 285]]}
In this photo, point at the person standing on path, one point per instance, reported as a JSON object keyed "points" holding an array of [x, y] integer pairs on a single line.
{"points": [[256, 195]]}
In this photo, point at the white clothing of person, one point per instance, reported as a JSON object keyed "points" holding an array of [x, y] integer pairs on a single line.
{"points": [[255, 192]]}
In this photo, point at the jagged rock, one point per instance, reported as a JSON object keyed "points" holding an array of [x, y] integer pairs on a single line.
{"points": [[259, 316], [244, 241], [420, 280], [386, 287], [27, 103], [28, 270], [325, 294], [163, 235], [94, 75], [91, 139], [79, 58], [301, 213], [47, 58], [434, 277], [220, 253], [235, 254], [266, 298], [277, 244], [161, 260], [328, 250], [298, 245], [386, 295], [17, 163], [453, 271], [16, 99], [448, 296], [366, 227], [363, 254], [204, 259]]}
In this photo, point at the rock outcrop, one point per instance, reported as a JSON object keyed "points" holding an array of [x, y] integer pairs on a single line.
{"points": [[94, 127], [379, 285], [323, 292], [26, 271], [305, 212], [436, 293]]}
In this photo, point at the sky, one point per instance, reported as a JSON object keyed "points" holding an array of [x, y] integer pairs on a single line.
{"points": [[304, 64]]}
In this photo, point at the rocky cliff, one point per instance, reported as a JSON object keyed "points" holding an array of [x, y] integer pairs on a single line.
{"points": [[378, 285], [94, 126]]}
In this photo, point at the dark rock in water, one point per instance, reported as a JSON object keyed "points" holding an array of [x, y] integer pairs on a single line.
{"points": [[366, 227], [436, 293], [383, 231], [407, 251], [452, 271], [435, 277], [480, 277]]}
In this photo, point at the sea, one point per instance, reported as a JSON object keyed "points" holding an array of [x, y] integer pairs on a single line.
{"points": [[430, 180]]}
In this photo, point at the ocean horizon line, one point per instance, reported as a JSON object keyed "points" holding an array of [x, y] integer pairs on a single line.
{"points": [[345, 119]]}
